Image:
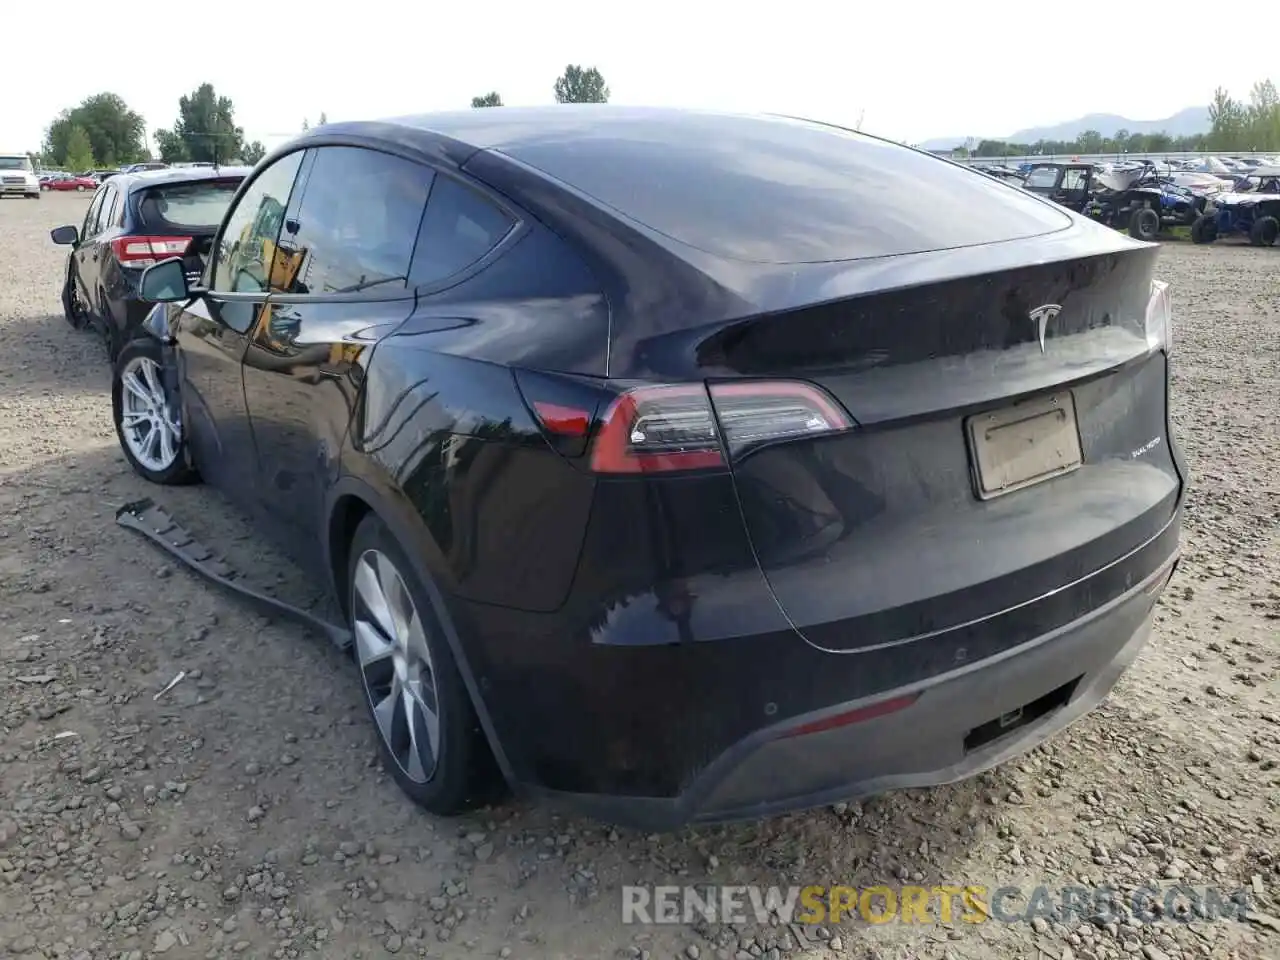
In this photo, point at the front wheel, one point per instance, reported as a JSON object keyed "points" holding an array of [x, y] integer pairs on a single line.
{"points": [[72, 308], [80, 188], [428, 734], [1204, 229], [147, 418], [1144, 224]]}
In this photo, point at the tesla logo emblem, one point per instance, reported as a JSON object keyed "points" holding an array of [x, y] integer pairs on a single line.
{"points": [[1042, 316]]}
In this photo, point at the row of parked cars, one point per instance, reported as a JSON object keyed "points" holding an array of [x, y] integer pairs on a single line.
{"points": [[58, 180], [604, 430], [1147, 198]]}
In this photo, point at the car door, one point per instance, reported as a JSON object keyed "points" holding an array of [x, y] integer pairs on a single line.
{"points": [[75, 260], [88, 252], [213, 330], [1073, 189], [339, 280]]}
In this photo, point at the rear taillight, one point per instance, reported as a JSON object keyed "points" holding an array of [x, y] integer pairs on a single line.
{"points": [[689, 426], [144, 251]]}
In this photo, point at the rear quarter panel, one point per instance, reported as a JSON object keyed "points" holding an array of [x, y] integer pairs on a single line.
{"points": [[443, 426]]}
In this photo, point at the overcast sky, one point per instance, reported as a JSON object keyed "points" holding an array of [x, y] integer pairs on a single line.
{"points": [[916, 69]]}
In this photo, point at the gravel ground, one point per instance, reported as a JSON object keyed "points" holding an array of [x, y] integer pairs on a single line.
{"points": [[244, 812]]}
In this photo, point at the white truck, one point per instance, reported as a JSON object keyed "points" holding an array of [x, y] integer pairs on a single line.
{"points": [[17, 178]]}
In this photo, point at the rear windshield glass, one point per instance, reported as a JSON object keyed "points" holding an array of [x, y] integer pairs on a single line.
{"points": [[186, 205], [780, 191]]}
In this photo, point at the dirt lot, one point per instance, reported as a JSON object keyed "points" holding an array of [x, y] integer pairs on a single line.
{"points": [[243, 813]]}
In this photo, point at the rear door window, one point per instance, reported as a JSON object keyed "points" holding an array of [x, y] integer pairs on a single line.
{"points": [[103, 215], [459, 228], [91, 216], [110, 214], [356, 224]]}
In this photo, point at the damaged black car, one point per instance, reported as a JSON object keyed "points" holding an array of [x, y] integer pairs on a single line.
{"points": [[678, 466]]}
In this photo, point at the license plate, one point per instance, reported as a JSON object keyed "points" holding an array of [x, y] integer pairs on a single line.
{"points": [[1024, 444]]}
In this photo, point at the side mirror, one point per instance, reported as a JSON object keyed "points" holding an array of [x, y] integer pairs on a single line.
{"points": [[164, 282], [65, 236]]}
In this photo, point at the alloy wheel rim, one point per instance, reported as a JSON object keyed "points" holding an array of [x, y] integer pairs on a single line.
{"points": [[395, 665], [151, 429]]}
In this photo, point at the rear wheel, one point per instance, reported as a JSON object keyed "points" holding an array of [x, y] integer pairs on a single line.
{"points": [[428, 734], [147, 418], [1144, 224], [1204, 229], [79, 188], [1264, 231]]}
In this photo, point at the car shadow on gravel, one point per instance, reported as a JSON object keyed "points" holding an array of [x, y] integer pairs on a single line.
{"points": [[43, 354]]}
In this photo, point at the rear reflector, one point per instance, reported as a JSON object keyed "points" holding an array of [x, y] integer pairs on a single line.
{"points": [[675, 426], [145, 251], [869, 712]]}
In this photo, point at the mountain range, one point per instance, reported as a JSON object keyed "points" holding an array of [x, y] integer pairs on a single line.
{"points": [[1184, 123]]}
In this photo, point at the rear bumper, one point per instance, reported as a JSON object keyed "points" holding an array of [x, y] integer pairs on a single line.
{"points": [[1069, 671]]}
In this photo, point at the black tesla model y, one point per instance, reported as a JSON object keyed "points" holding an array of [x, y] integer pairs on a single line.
{"points": [[684, 466]]}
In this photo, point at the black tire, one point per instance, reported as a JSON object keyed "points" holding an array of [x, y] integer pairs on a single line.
{"points": [[74, 311], [1204, 229], [463, 774], [176, 472], [1264, 231], [80, 188], [1144, 224]]}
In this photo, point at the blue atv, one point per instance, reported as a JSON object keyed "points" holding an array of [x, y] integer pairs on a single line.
{"points": [[1251, 210], [1135, 200]]}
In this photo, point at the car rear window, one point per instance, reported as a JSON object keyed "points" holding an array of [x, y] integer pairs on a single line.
{"points": [[772, 190], [186, 205]]}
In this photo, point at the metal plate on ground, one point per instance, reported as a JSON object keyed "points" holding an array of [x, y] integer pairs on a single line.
{"points": [[1024, 444]]}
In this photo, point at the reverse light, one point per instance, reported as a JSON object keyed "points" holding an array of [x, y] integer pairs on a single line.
{"points": [[1159, 318], [145, 251], [688, 426]]}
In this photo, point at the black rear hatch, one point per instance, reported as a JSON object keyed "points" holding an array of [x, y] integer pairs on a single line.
{"points": [[930, 515]]}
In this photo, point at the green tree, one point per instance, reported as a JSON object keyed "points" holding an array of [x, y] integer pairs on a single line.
{"points": [[324, 118], [491, 99], [79, 155], [205, 127], [115, 132], [171, 147], [577, 85], [1227, 121], [253, 152], [1262, 117]]}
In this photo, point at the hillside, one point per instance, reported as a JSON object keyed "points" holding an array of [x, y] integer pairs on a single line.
{"points": [[1183, 123]]}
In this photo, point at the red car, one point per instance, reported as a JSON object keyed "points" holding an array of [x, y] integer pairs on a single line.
{"points": [[72, 183]]}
